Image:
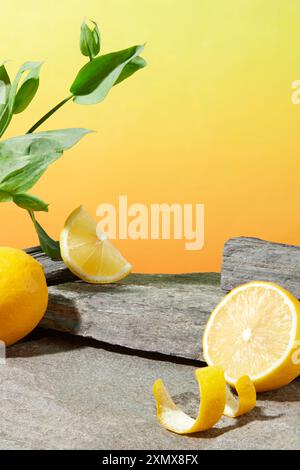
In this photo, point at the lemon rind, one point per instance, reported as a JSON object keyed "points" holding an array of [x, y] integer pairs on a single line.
{"points": [[245, 400], [215, 400], [211, 406]]}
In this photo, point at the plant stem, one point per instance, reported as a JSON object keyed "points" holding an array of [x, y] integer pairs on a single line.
{"points": [[47, 115], [47, 244]]}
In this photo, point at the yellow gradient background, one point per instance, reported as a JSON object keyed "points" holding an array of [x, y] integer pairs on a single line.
{"points": [[210, 120]]}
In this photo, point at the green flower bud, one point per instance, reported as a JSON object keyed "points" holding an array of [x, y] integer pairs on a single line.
{"points": [[90, 39]]}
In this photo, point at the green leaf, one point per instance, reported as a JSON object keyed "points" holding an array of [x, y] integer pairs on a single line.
{"points": [[4, 118], [61, 139], [10, 163], [48, 245], [26, 93], [5, 197], [4, 95], [4, 86], [95, 79], [24, 159], [89, 40], [33, 69], [27, 201], [40, 155], [133, 66], [4, 77], [65, 138], [27, 90]]}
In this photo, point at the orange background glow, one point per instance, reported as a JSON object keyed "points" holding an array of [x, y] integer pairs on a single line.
{"points": [[210, 120]]}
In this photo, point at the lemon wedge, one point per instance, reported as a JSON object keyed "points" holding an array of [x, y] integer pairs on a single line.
{"points": [[88, 253], [253, 331], [216, 400]]}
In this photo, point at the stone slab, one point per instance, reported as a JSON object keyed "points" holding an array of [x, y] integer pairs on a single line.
{"points": [[55, 271], [61, 393], [248, 259], [158, 313]]}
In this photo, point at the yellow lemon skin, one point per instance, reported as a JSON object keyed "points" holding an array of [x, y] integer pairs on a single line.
{"points": [[23, 294]]}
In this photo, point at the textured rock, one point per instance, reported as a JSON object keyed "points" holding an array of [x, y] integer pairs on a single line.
{"points": [[248, 259], [157, 313], [55, 271], [61, 393]]}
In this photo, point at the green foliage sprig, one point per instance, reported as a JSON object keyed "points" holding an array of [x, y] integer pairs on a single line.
{"points": [[24, 159]]}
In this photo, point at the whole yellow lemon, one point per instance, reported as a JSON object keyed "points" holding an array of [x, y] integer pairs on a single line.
{"points": [[23, 294]]}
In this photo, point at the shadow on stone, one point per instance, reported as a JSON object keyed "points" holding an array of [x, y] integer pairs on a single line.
{"points": [[255, 415], [30, 346], [289, 393], [34, 346], [64, 318], [189, 403]]}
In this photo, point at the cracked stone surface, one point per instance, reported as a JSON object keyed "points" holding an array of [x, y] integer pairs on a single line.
{"points": [[246, 259], [159, 313], [64, 392]]}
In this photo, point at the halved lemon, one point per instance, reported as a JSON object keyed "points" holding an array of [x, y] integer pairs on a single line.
{"points": [[254, 331], [88, 253]]}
